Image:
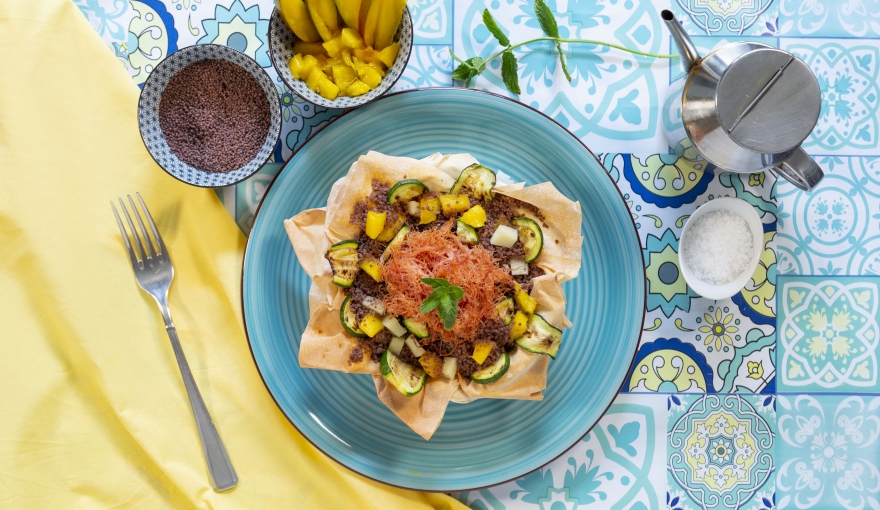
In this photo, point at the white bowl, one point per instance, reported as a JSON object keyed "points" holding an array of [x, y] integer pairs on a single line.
{"points": [[747, 211]]}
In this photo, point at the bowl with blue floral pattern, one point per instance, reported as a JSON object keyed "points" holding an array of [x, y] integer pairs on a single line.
{"points": [[281, 40], [157, 142]]}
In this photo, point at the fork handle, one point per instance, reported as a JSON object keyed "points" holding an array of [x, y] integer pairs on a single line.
{"points": [[220, 471]]}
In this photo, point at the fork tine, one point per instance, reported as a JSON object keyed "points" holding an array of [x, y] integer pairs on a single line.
{"points": [[124, 236], [134, 233], [143, 229], [159, 241]]}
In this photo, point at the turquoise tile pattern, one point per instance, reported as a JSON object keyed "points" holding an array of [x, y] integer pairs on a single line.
{"points": [[705, 381]]}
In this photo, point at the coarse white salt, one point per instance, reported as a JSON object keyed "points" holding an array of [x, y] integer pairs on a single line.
{"points": [[718, 247]]}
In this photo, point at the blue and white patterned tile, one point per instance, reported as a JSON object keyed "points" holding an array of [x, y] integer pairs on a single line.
{"points": [[727, 17], [828, 452], [835, 228], [829, 18], [606, 102], [720, 451], [110, 19], [620, 464], [428, 66], [829, 334], [432, 21], [849, 78]]}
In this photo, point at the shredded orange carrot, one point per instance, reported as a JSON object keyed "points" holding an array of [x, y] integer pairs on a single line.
{"points": [[438, 253]]}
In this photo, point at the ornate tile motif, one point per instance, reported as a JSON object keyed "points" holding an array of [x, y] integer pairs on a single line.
{"points": [[832, 230], [829, 18], [828, 336], [720, 449], [429, 66], [828, 453], [619, 464], [726, 17], [848, 78], [432, 21]]}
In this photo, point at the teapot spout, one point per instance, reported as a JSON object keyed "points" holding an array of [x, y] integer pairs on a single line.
{"points": [[689, 55]]}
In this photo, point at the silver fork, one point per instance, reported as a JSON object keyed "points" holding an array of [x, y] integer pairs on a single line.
{"points": [[154, 273]]}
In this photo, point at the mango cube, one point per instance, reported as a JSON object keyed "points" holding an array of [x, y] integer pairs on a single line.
{"points": [[371, 325], [390, 229], [333, 46], [351, 38], [357, 88], [343, 76], [371, 77], [475, 216], [372, 268], [482, 350], [308, 63], [375, 223], [389, 54], [454, 204], [525, 302], [295, 65], [428, 209], [316, 76], [328, 89], [519, 325]]}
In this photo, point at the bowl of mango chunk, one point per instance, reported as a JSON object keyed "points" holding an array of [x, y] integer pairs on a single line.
{"points": [[340, 53]]}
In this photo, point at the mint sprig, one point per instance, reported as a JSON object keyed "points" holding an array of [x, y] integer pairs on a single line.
{"points": [[444, 298], [472, 67]]}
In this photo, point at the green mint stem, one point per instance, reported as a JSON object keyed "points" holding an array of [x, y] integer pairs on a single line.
{"points": [[587, 41]]}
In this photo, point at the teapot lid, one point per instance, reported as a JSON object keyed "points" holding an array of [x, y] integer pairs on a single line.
{"points": [[768, 101]]}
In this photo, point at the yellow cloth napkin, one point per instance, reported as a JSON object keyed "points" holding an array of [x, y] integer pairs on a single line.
{"points": [[93, 412]]}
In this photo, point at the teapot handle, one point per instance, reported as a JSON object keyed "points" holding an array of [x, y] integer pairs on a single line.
{"points": [[800, 170]]}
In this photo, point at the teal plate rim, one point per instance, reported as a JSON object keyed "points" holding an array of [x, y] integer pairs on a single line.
{"points": [[341, 461]]}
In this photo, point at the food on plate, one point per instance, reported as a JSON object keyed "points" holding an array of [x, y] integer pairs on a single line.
{"points": [[437, 280], [343, 48]]}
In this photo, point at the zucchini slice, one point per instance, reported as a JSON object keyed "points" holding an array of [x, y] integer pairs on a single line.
{"points": [[397, 239], [478, 180], [343, 257], [540, 337], [531, 236], [420, 330], [406, 190], [493, 372], [505, 310], [408, 379], [466, 233], [349, 321]]}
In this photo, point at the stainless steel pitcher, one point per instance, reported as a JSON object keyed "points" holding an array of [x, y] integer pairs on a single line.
{"points": [[747, 107]]}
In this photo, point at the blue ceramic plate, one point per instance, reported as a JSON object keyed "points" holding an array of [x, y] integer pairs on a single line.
{"points": [[484, 442]]}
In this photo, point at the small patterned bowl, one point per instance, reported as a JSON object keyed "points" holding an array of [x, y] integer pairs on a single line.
{"points": [[281, 41], [151, 131]]}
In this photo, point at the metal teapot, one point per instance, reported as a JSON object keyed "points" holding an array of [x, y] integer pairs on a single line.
{"points": [[747, 107]]}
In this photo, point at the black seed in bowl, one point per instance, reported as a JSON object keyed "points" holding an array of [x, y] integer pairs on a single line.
{"points": [[214, 115]]}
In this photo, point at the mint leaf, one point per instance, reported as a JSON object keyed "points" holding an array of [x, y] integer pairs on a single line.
{"points": [[431, 302], [493, 27], [546, 19], [509, 71], [448, 312], [468, 70], [454, 293], [562, 62], [435, 283]]}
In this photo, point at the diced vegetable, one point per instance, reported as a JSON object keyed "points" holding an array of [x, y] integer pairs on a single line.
{"points": [[392, 227], [396, 345], [493, 372], [466, 233], [419, 329], [525, 302], [375, 224], [414, 346], [375, 305], [531, 236], [429, 209], [413, 208], [432, 364], [393, 326], [477, 181], [405, 190], [343, 259], [482, 349], [504, 236], [408, 379], [475, 216], [519, 325], [398, 238], [519, 267], [454, 204], [349, 322], [505, 310], [450, 367], [372, 268], [540, 337], [371, 325]]}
